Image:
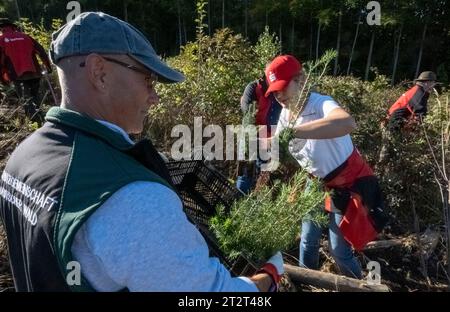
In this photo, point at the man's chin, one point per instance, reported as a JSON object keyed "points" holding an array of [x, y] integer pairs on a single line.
{"points": [[138, 128]]}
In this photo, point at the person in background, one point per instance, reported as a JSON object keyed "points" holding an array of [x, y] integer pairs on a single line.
{"points": [[19, 65], [403, 116], [267, 114]]}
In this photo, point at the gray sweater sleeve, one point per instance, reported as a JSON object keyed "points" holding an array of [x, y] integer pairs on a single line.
{"points": [[141, 239]]}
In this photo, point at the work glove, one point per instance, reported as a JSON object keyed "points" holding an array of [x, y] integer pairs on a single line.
{"points": [[274, 267]]}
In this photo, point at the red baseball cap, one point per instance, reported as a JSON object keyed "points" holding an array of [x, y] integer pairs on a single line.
{"points": [[280, 72]]}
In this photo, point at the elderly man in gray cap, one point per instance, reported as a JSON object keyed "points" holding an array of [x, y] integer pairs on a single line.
{"points": [[82, 208]]}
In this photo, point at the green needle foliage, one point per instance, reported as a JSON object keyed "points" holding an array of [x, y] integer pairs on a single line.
{"points": [[286, 158], [269, 220]]}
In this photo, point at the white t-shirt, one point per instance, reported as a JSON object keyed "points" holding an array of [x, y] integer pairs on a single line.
{"points": [[318, 157]]}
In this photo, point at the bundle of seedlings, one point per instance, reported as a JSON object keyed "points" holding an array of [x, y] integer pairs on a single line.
{"points": [[268, 220]]}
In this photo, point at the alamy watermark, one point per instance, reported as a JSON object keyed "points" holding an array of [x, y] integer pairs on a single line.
{"points": [[75, 10], [374, 276], [235, 142], [374, 13], [73, 277]]}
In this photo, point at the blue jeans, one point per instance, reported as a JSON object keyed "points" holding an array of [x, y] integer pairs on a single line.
{"points": [[339, 247], [244, 183]]}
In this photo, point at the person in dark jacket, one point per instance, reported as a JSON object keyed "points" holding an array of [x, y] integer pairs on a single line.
{"points": [[267, 114], [412, 105], [19, 65]]}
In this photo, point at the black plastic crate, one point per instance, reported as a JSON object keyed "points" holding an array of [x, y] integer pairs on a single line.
{"points": [[202, 188]]}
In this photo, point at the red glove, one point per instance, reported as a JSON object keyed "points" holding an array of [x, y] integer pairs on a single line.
{"points": [[274, 267]]}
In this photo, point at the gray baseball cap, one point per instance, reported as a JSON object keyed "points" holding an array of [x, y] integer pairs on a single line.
{"points": [[97, 32]]}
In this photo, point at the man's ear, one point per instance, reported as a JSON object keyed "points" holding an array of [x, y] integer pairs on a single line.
{"points": [[96, 71]]}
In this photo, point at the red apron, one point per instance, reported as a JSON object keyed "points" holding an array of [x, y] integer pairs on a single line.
{"points": [[357, 225]]}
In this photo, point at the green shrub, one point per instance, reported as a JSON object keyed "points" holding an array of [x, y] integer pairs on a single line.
{"points": [[217, 70], [39, 32], [211, 90], [267, 47]]}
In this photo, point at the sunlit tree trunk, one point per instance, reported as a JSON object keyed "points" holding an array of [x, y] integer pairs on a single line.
{"points": [[419, 59], [338, 44], [369, 57], [311, 35], [397, 51], [293, 36], [17, 9], [246, 18], [318, 40], [185, 32], [125, 10], [209, 18], [223, 13], [179, 25], [281, 36], [354, 45]]}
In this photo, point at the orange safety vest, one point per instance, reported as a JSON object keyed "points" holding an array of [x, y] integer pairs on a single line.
{"points": [[415, 94]]}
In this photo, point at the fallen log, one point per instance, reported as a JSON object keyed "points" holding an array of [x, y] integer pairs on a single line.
{"points": [[384, 244], [331, 281], [428, 241]]}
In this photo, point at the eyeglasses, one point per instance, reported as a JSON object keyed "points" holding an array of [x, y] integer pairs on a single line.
{"points": [[151, 78]]}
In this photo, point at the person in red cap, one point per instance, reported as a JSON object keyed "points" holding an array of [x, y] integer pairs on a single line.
{"points": [[280, 72], [19, 65], [268, 111], [322, 145]]}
